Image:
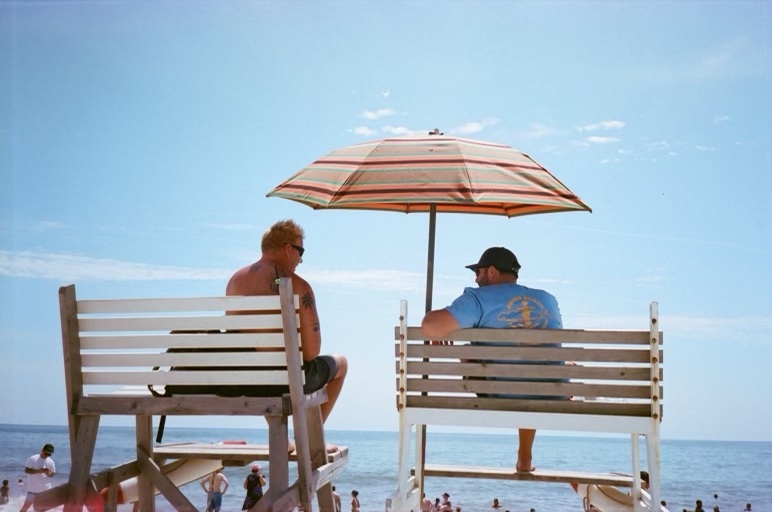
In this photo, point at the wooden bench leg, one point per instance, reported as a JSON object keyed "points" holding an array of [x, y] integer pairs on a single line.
{"points": [[85, 442], [652, 457], [405, 484], [144, 426], [319, 457], [278, 458]]}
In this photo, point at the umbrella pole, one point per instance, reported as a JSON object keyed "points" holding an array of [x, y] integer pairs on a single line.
{"points": [[430, 257], [429, 292]]}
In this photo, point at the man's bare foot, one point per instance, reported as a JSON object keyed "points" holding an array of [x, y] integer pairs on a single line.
{"points": [[525, 467], [290, 446], [331, 448]]}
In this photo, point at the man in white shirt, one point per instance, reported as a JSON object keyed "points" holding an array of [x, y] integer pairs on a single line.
{"points": [[39, 468]]}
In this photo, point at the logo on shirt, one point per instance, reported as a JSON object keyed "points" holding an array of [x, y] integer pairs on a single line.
{"points": [[524, 312]]}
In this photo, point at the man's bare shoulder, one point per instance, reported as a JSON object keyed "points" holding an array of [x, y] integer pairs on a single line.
{"points": [[259, 278]]}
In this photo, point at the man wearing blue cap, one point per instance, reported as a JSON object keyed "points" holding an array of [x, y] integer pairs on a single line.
{"points": [[498, 303]]}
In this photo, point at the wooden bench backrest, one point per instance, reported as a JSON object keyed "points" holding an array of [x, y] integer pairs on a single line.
{"points": [[613, 372], [130, 342]]}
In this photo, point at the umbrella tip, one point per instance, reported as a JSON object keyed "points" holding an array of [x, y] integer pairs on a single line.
{"points": [[436, 131]]}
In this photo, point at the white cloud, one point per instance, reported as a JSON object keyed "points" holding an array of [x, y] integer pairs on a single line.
{"points": [[601, 140], [376, 114], [363, 130], [538, 131], [660, 145], [721, 119], [376, 279], [50, 224], [705, 148], [66, 267], [602, 125], [75, 267], [680, 327], [475, 126], [386, 94], [398, 130]]}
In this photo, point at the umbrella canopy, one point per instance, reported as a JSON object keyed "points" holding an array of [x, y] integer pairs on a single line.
{"points": [[410, 174], [430, 174]]}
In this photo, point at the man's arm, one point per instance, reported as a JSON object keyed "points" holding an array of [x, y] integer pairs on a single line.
{"points": [[438, 323], [310, 333]]}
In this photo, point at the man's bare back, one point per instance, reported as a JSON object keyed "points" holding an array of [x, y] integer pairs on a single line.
{"points": [[282, 252]]}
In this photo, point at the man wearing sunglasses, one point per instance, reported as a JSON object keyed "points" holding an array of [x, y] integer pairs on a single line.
{"points": [[40, 468], [282, 252], [499, 303]]}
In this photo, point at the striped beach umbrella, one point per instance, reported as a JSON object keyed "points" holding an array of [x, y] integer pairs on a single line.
{"points": [[430, 173]]}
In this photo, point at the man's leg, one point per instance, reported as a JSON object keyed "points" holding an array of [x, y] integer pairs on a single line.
{"points": [[524, 453], [27, 502], [335, 386]]}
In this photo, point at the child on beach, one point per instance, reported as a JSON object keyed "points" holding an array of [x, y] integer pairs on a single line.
{"points": [[4, 493]]}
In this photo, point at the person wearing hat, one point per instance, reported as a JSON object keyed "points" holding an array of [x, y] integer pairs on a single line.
{"points": [[498, 303], [254, 485], [40, 468]]}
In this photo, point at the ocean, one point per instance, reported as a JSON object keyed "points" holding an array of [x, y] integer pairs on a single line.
{"points": [[738, 472]]}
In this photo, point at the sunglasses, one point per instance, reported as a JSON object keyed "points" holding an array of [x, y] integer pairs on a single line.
{"points": [[300, 249]]}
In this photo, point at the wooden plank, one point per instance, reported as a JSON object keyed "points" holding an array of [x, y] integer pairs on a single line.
{"points": [[203, 378], [186, 359], [540, 406], [81, 464], [51, 498], [299, 413], [230, 452], [171, 323], [144, 305], [540, 475], [530, 353], [435, 385], [68, 314], [180, 405], [603, 336], [457, 368], [167, 340], [144, 430], [120, 473], [170, 491]]}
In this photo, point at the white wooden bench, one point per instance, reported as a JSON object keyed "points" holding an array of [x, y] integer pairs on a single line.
{"points": [[131, 344], [613, 385]]}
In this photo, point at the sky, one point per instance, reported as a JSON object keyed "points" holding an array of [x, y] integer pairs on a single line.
{"points": [[138, 141]]}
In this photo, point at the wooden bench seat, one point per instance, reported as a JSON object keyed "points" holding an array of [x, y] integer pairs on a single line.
{"points": [[568, 380], [200, 356]]}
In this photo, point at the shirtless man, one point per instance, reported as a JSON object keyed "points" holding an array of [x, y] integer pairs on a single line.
{"points": [[215, 486], [282, 251], [426, 504]]}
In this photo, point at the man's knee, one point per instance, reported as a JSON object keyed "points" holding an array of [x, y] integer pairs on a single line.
{"points": [[342, 367]]}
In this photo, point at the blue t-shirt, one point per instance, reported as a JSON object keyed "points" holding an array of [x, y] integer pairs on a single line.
{"points": [[509, 306], [506, 306]]}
